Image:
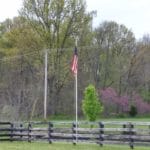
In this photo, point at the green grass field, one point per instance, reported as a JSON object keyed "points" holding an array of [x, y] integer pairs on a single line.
{"points": [[61, 146], [137, 119]]}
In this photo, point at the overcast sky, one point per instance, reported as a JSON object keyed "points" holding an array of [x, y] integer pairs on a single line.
{"points": [[134, 14], [9, 8]]}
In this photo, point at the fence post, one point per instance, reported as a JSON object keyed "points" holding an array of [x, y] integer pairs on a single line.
{"points": [[131, 132], [124, 127], [29, 132], [50, 130], [101, 132], [11, 133], [21, 127], [73, 133]]}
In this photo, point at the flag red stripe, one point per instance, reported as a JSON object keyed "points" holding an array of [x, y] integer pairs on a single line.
{"points": [[74, 66]]}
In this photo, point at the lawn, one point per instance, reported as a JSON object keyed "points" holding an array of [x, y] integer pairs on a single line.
{"points": [[61, 146], [136, 119]]}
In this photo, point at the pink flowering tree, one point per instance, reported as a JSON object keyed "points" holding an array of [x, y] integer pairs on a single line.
{"points": [[115, 104], [142, 106]]}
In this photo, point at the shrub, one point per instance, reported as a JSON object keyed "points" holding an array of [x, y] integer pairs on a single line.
{"points": [[133, 111], [91, 105]]}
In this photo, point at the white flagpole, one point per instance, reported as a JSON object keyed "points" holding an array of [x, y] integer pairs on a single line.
{"points": [[45, 87], [76, 99]]}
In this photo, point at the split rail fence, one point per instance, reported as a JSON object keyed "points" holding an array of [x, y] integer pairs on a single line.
{"points": [[131, 133]]}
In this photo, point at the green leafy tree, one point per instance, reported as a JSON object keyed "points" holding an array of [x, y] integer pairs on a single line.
{"points": [[57, 23], [116, 46], [91, 105]]}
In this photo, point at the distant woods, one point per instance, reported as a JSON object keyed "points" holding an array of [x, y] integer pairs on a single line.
{"points": [[109, 57]]}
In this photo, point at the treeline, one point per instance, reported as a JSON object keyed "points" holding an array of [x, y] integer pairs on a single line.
{"points": [[109, 57]]}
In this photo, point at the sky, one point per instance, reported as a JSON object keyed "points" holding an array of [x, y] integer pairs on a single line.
{"points": [[134, 14], [9, 8]]}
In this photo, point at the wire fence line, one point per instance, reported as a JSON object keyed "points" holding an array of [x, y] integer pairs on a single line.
{"points": [[34, 53], [21, 86], [22, 83]]}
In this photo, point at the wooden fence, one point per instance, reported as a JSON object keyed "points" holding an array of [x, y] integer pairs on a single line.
{"points": [[131, 133]]}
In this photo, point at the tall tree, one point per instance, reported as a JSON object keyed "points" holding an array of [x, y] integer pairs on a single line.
{"points": [[116, 46], [139, 70], [58, 23]]}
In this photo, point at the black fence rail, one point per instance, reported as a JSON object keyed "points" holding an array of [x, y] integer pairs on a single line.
{"points": [[131, 133]]}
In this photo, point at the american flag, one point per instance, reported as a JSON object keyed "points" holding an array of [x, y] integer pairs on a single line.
{"points": [[74, 66]]}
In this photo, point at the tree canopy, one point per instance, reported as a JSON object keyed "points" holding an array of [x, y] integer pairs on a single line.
{"points": [[110, 58]]}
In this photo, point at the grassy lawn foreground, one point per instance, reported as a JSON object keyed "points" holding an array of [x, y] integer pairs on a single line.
{"points": [[61, 146]]}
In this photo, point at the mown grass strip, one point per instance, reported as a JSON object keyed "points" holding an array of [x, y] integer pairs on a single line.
{"points": [[62, 146]]}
